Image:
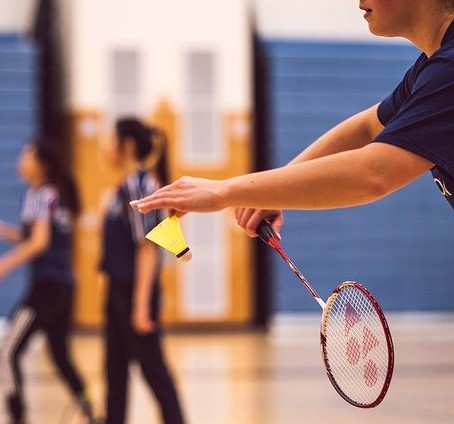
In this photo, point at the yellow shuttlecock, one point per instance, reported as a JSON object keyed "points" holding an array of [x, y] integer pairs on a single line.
{"points": [[168, 234]]}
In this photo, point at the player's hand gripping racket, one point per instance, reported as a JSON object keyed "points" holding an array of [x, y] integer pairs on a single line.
{"points": [[356, 343]]}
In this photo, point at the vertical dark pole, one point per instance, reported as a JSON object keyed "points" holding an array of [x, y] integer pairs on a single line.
{"points": [[263, 292], [52, 117]]}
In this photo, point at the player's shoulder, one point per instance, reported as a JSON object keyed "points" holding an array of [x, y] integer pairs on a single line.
{"points": [[437, 70], [445, 53], [141, 183], [44, 194], [149, 182]]}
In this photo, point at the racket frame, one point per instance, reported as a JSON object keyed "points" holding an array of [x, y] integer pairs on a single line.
{"points": [[267, 235], [389, 342]]}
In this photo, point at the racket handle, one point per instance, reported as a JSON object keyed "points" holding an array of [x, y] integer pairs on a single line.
{"points": [[265, 232]]}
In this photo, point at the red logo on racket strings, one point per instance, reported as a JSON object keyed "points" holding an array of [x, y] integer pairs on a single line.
{"points": [[353, 348], [370, 342], [351, 318], [370, 373], [353, 351]]}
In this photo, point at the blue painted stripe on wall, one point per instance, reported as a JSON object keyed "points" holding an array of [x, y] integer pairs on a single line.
{"points": [[15, 99], [18, 123], [18, 80]]}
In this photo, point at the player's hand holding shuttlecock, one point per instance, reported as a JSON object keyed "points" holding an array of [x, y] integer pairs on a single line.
{"points": [[169, 235], [186, 194]]}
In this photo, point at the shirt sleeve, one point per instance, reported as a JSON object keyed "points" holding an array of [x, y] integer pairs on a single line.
{"points": [[38, 204], [420, 118], [391, 104], [136, 188]]}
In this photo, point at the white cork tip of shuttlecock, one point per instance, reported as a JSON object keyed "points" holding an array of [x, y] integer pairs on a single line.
{"points": [[185, 255]]}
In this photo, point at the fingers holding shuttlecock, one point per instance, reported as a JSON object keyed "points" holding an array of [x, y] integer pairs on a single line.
{"points": [[169, 235]]}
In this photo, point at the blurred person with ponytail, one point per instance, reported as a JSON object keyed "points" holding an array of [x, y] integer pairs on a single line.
{"points": [[44, 240], [132, 266]]}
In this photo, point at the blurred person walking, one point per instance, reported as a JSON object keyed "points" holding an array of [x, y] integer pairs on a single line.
{"points": [[49, 209], [133, 265]]}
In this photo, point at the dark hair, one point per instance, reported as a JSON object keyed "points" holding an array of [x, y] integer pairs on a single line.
{"points": [[141, 135], [58, 173], [161, 165], [147, 140]]}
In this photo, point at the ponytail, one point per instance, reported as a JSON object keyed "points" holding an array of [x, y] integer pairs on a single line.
{"points": [[131, 128], [160, 164], [150, 145]]}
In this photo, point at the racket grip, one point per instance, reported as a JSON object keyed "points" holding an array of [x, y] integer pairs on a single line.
{"points": [[265, 232]]}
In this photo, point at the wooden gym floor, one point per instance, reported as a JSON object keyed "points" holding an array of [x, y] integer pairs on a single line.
{"points": [[251, 377]]}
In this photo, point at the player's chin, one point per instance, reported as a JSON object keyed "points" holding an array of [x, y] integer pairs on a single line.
{"points": [[381, 31]]}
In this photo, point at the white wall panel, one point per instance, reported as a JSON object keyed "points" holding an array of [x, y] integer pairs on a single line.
{"points": [[16, 15], [163, 32], [313, 19]]}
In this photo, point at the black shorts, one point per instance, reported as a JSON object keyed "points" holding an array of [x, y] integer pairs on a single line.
{"points": [[50, 301]]}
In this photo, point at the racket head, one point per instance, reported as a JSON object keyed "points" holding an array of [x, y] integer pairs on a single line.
{"points": [[356, 345]]}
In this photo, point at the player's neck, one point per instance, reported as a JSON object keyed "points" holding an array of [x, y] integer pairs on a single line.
{"points": [[130, 167], [37, 181], [428, 37]]}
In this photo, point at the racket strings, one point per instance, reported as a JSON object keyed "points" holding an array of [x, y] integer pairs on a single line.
{"points": [[356, 346]]}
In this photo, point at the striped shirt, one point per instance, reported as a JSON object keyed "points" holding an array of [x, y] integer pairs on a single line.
{"points": [[54, 265], [125, 228]]}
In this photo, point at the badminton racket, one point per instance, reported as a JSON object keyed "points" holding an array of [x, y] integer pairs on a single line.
{"points": [[356, 343]]}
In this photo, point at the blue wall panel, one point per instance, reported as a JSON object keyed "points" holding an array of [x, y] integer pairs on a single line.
{"points": [[402, 247], [18, 115]]}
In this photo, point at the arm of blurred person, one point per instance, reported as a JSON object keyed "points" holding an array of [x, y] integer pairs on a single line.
{"points": [[10, 233], [146, 264], [26, 249]]}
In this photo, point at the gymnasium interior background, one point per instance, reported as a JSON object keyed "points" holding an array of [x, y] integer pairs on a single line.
{"points": [[239, 86]]}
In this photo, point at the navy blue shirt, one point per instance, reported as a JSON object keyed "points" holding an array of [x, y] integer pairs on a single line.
{"points": [[125, 228], [419, 114], [54, 265]]}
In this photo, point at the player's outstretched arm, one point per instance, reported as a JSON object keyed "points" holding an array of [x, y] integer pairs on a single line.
{"points": [[345, 179], [195, 194]]}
